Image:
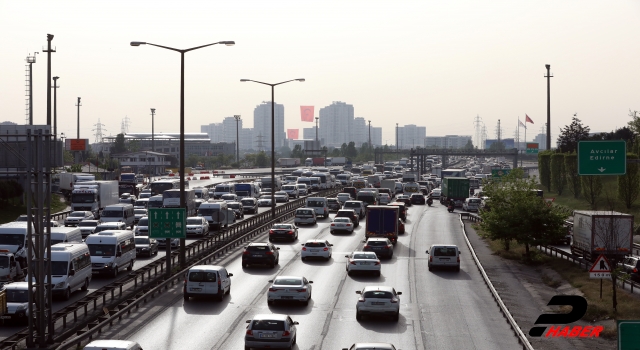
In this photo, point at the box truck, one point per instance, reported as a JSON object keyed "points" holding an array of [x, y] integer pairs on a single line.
{"points": [[94, 196], [601, 232], [69, 180], [288, 162], [382, 221], [456, 188]]}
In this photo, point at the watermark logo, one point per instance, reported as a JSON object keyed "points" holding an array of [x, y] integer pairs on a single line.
{"points": [[579, 309]]}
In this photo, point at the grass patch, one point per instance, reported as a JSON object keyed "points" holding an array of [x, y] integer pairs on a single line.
{"points": [[516, 252], [11, 211], [550, 281]]}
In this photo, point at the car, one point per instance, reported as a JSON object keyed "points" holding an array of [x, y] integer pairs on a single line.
{"points": [[139, 214], [260, 254], [417, 198], [305, 216], [333, 204], [289, 288], [270, 331], [197, 225], [631, 266], [87, 227], [380, 246], [378, 300], [343, 197], [292, 190], [174, 242], [207, 280], [402, 207], [302, 189], [436, 193], [142, 228], [357, 206], [351, 214], [283, 231], [341, 224], [444, 255], [237, 209], [104, 226], [403, 198], [264, 200], [76, 216], [281, 197], [249, 205], [371, 346], [53, 223], [384, 199], [363, 261], [229, 197], [316, 248], [146, 246], [472, 204]]}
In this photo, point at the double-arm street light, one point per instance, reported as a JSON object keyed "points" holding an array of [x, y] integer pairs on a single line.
{"points": [[273, 144], [182, 156]]}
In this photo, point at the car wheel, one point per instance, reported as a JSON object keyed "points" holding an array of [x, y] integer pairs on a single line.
{"points": [[85, 286], [67, 294], [349, 272], [273, 265], [396, 317], [247, 347], [115, 272], [295, 340], [378, 273], [186, 297], [220, 294], [358, 317], [430, 268]]}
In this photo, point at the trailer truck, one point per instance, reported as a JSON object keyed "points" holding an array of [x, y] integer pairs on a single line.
{"points": [[94, 196], [288, 162], [382, 221], [601, 232], [456, 188], [318, 161], [338, 161], [68, 181]]}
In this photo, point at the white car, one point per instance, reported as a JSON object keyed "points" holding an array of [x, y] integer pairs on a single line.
{"points": [[197, 225], [316, 248], [341, 224], [229, 197], [370, 346], [142, 229], [305, 216], [343, 197], [175, 242], [384, 199], [436, 193], [378, 300], [281, 196], [264, 200], [302, 189], [363, 261], [75, 217], [139, 214], [289, 288]]}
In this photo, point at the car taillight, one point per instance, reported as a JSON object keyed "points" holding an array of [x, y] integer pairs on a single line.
{"points": [[634, 270], [246, 252], [290, 232], [458, 258], [269, 253], [304, 248], [352, 262], [367, 246], [430, 258], [219, 283], [333, 224], [394, 300], [249, 332], [273, 289], [388, 247], [348, 224], [286, 334], [377, 263], [301, 290], [271, 232]]}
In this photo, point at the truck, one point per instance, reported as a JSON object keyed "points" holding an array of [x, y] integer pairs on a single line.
{"points": [[318, 161], [68, 181], [456, 188], [288, 162], [601, 232], [374, 180], [308, 162], [338, 161], [10, 268], [390, 184], [410, 176], [403, 162], [128, 177], [94, 196], [129, 187], [437, 171], [382, 221]]}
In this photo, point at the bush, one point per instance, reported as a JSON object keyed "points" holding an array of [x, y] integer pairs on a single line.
{"points": [[558, 173], [544, 168]]}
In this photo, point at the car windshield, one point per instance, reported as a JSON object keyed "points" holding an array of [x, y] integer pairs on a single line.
{"points": [[102, 249], [143, 222], [267, 325], [444, 251], [258, 248], [304, 212], [281, 226], [378, 294], [142, 240], [365, 256], [377, 243], [341, 220], [247, 202], [59, 268], [12, 239], [351, 205], [315, 244], [332, 200], [315, 204], [194, 221], [17, 296], [228, 196], [77, 214], [112, 213], [88, 224], [202, 276], [288, 281]]}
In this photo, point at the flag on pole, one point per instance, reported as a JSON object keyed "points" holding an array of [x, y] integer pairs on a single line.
{"points": [[522, 124], [528, 120], [292, 134], [306, 113]]}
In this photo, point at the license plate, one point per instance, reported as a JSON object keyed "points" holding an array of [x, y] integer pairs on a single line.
{"points": [[266, 335], [286, 297], [256, 255], [377, 303], [5, 317], [314, 250], [444, 259], [365, 263], [195, 289]]}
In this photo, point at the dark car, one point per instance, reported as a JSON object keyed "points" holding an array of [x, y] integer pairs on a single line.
{"points": [[146, 246], [249, 205], [402, 209], [351, 214], [237, 209], [380, 246], [351, 190], [333, 204], [400, 227], [283, 231], [404, 199], [631, 265], [417, 198], [260, 254]]}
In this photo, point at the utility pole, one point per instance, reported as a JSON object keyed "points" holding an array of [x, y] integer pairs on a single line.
{"points": [[31, 60], [237, 117], [49, 51], [153, 143], [55, 116], [317, 144], [396, 136], [548, 76], [369, 134], [78, 105]]}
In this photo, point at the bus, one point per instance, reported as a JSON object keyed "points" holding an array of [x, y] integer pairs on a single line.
{"points": [[158, 187]]}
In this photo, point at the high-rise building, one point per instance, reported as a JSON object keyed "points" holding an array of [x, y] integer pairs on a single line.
{"points": [[411, 136], [214, 131], [376, 136], [541, 140], [229, 129], [262, 125], [336, 124], [360, 132], [435, 142]]}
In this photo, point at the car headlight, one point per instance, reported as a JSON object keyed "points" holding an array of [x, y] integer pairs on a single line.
{"points": [[21, 307], [59, 285], [108, 265]]}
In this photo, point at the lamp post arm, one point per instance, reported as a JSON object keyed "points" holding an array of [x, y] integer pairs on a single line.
{"points": [[284, 82], [165, 47], [199, 47]]}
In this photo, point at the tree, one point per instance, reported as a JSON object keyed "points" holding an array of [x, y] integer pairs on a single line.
{"points": [[571, 135], [518, 213], [544, 168], [262, 160], [558, 173], [469, 145], [134, 146], [352, 152], [629, 183], [591, 189], [634, 124], [336, 152], [343, 150], [571, 172], [119, 146], [297, 152], [285, 151]]}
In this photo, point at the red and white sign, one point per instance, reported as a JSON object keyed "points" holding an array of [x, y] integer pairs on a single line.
{"points": [[306, 113], [601, 268]]}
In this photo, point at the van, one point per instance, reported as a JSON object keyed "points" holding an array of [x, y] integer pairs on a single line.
{"points": [[368, 198], [315, 183], [111, 251], [66, 235], [325, 180], [119, 212], [13, 237], [104, 226], [217, 214], [319, 205], [304, 216], [112, 345], [202, 193], [141, 203], [444, 255], [207, 280], [471, 204], [155, 202], [221, 189], [70, 268]]}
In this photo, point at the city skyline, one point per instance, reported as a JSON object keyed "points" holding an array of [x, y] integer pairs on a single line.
{"points": [[437, 64]]}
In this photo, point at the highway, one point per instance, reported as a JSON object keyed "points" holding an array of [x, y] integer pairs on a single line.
{"points": [[440, 309]]}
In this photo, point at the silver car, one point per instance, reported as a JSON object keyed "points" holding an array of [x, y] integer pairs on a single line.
{"points": [[272, 330], [289, 288], [139, 214], [75, 217], [380, 300], [358, 206]]}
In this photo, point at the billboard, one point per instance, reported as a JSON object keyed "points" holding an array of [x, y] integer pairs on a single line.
{"points": [[76, 144]]}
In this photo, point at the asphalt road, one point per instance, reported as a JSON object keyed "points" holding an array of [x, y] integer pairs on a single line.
{"points": [[439, 310]]}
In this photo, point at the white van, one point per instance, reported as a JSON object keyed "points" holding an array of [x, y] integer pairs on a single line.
{"points": [[470, 204], [155, 202], [112, 345], [66, 235], [112, 251], [119, 212], [217, 214], [70, 268], [207, 280], [141, 203], [13, 237], [319, 205]]}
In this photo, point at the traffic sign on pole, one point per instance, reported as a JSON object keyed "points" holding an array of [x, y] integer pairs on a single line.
{"points": [[602, 157], [532, 148], [628, 334], [601, 268], [167, 222]]}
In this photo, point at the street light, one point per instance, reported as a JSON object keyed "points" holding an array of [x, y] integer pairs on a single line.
{"points": [[273, 144], [182, 183], [153, 144], [237, 117]]}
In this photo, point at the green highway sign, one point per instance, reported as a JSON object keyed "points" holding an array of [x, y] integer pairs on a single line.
{"points": [[602, 157], [167, 223], [532, 148], [628, 334], [496, 174]]}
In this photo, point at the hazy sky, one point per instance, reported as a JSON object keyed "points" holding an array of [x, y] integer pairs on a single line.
{"points": [[433, 63]]}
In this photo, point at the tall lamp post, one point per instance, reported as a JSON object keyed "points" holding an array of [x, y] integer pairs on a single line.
{"points": [[237, 117], [396, 136], [55, 116], [182, 183], [153, 143], [273, 144]]}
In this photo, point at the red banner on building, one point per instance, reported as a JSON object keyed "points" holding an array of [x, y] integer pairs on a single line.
{"points": [[306, 113], [292, 134]]}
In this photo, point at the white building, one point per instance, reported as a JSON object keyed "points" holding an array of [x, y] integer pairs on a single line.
{"points": [[262, 125], [336, 124], [411, 136], [360, 132], [448, 141]]}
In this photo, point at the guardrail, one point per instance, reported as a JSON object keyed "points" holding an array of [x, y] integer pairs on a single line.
{"points": [[136, 285]]}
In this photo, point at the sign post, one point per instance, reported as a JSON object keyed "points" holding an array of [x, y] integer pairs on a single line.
{"points": [[602, 157], [600, 269]]}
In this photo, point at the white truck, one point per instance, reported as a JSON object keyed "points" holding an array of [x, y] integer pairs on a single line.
{"points": [[410, 176], [390, 184], [94, 196], [288, 162], [338, 161], [69, 180], [374, 180], [601, 232], [217, 214]]}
